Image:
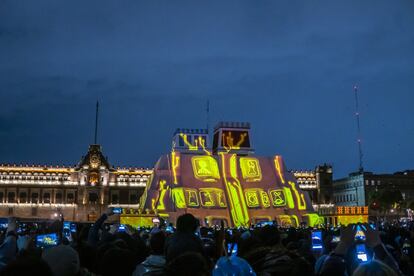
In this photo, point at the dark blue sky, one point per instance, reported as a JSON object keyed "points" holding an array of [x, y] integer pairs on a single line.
{"points": [[287, 67]]}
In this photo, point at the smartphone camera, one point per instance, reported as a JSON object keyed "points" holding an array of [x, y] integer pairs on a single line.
{"points": [[360, 235], [47, 240], [361, 252], [317, 243], [232, 249], [117, 211], [121, 228]]}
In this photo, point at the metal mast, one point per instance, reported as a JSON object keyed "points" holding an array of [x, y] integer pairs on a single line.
{"points": [[359, 141], [208, 115], [96, 123]]}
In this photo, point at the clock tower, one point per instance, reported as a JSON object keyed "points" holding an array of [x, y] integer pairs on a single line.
{"points": [[94, 172]]}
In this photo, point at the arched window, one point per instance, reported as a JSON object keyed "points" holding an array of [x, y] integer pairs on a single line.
{"points": [[58, 198], [23, 197], [46, 198], [93, 198], [70, 198], [133, 199], [35, 198], [114, 199], [11, 197]]}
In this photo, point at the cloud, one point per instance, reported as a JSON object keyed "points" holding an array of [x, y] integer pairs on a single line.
{"points": [[286, 67]]}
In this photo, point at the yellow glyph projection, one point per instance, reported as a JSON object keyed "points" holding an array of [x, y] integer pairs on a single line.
{"points": [[178, 197], [205, 168], [202, 143], [265, 199], [163, 190], [192, 198], [238, 206], [175, 161], [212, 197], [300, 198], [252, 199], [286, 220], [289, 197], [207, 199], [278, 198], [229, 143], [314, 219], [250, 168], [278, 167], [188, 144], [199, 142]]}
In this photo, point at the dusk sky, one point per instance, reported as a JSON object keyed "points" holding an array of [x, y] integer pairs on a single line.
{"points": [[287, 67]]}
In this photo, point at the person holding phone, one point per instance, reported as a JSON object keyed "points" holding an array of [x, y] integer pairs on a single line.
{"points": [[93, 235], [338, 261], [8, 249]]}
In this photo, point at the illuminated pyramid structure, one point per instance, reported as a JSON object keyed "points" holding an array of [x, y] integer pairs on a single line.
{"points": [[227, 182]]}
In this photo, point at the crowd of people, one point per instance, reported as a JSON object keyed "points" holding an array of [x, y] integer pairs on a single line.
{"points": [[188, 249]]}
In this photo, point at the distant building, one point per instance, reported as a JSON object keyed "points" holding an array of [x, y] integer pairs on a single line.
{"points": [[354, 190], [317, 182], [80, 193]]}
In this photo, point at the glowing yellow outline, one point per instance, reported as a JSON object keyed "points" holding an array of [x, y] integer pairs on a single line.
{"points": [[278, 168], [289, 197], [199, 142], [203, 145], [230, 141], [179, 198], [244, 168], [188, 192], [175, 161], [300, 198], [238, 207], [189, 145], [285, 200], [215, 193], [287, 218], [265, 199], [254, 192], [314, 219], [162, 190], [214, 176]]}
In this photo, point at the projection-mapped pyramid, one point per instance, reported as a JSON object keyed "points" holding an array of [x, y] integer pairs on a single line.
{"points": [[226, 182]]}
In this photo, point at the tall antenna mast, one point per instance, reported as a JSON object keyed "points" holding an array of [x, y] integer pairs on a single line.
{"points": [[208, 115], [96, 123], [359, 141]]}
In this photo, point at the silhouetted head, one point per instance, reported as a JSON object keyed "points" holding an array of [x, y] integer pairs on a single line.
{"points": [[374, 268], [187, 223], [188, 264], [117, 261], [157, 242], [27, 266]]}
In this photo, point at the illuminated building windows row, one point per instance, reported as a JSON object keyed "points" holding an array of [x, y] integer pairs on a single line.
{"points": [[345, 198], [36, 196], [124, 197], [10, 176]]}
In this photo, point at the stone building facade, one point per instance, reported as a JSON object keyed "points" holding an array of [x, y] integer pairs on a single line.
{"points": [[80, 193]]}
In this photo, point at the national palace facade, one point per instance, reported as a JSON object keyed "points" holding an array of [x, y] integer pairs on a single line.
{"points": [[79, 193]]}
